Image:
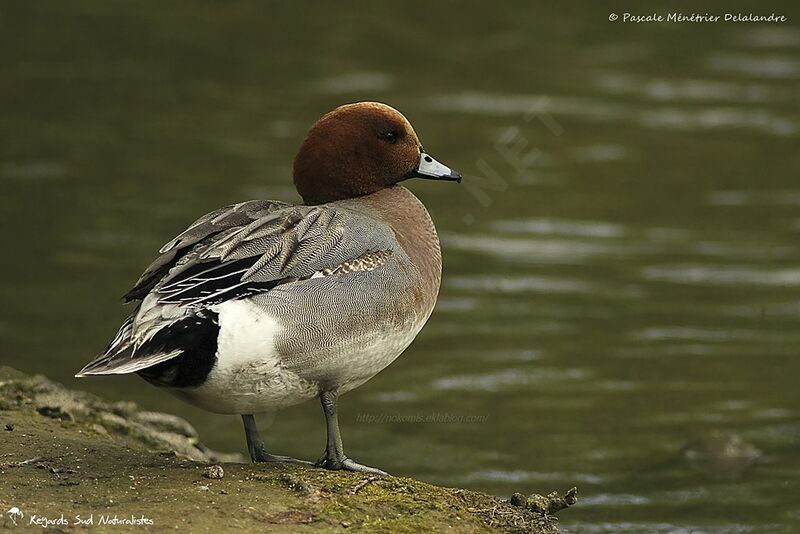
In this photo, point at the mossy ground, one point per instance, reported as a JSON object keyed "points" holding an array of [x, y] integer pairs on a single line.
{"points": [[61, 453]]}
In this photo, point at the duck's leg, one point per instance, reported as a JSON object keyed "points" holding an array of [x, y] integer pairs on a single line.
{"points": [[255, 445], [334, 457]]}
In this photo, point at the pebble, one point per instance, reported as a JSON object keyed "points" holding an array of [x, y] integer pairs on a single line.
{"points": [[214, 472]]}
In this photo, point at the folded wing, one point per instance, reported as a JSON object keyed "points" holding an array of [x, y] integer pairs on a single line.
{"points": [[230, 254]]}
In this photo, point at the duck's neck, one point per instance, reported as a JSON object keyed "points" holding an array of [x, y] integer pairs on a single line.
{"points": [[415, 232]]}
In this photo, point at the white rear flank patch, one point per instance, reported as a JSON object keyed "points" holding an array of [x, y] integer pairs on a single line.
{"points": [[248, 376], [246, 335]]}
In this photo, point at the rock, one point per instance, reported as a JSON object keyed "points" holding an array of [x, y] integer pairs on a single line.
{"points": [[720, 453], [549, 505], [124, 408], [60, 404], [214, 472], [114, 423], [157, 430], [121, 462], [166, 422], [295, 483]]}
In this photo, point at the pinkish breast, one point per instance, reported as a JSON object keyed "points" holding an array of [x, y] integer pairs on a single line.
{"points": [[413, 226]]}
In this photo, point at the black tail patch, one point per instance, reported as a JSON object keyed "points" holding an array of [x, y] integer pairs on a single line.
{"points": [[196, 337]]}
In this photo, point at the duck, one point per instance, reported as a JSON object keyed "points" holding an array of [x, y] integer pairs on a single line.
{"points": [[264, 304]]}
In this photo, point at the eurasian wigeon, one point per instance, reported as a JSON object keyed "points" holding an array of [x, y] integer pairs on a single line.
{"points": [[263, 304]]}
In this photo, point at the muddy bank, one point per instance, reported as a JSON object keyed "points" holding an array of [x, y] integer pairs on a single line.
{"points": [[68, 456]]}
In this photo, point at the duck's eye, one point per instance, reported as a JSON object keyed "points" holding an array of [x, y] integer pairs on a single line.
{"points": [[389, 136]]}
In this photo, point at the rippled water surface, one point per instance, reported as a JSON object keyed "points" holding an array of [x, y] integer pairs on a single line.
{"points": [[622, 271]]}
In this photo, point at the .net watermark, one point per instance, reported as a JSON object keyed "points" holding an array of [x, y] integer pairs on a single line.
{"points": [[517, 153], [679, 17], [434, 418]]}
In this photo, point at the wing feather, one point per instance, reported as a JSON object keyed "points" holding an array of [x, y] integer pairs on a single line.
{"points": [[254, 246], [224, 221], [233, 252]]}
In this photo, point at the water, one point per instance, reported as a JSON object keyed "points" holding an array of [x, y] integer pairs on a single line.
{"points": [[621, 263]]}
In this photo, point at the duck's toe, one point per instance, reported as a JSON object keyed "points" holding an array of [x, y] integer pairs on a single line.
{"points": [[350, 465], [346, 464], [258, 454]]}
